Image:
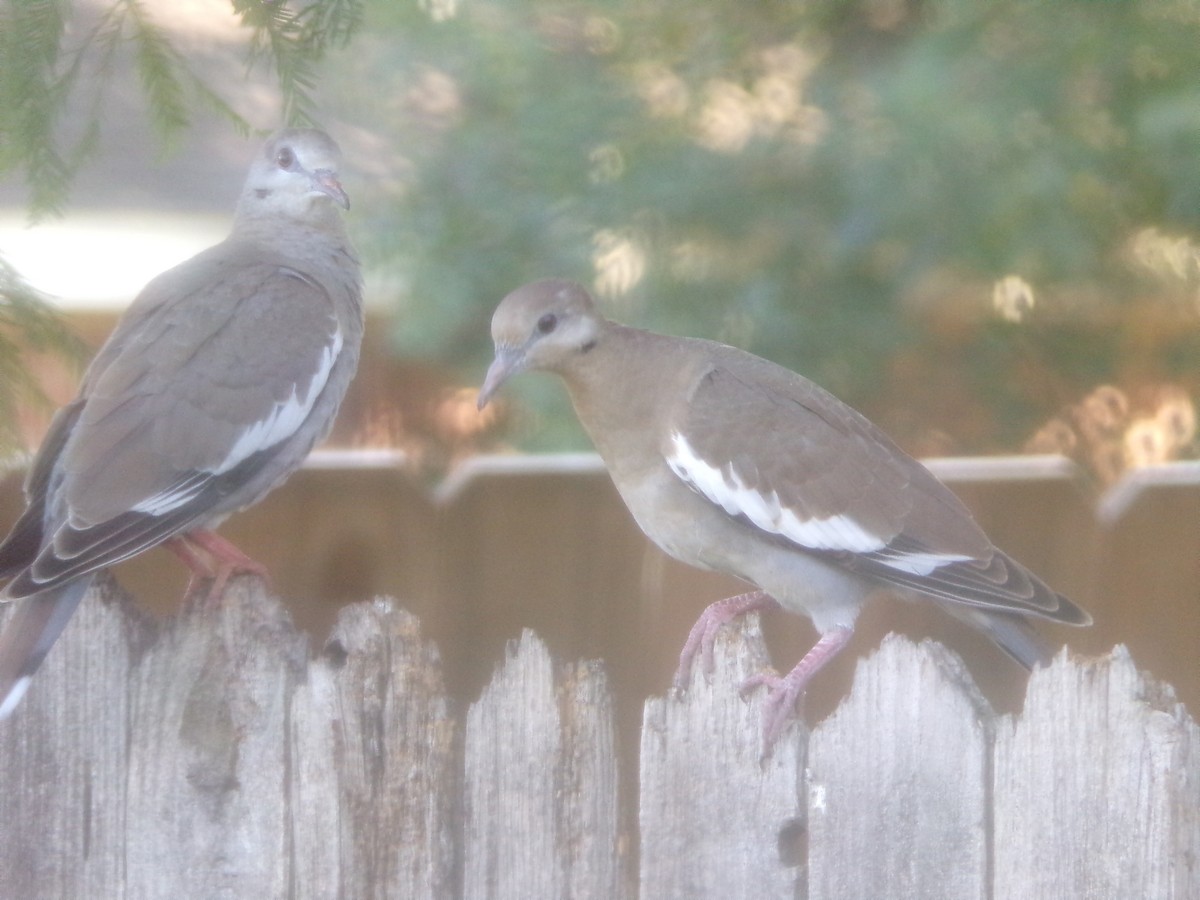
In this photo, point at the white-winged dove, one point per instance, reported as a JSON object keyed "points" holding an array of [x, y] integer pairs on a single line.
{"points": [[731, 463], [211, 390]]}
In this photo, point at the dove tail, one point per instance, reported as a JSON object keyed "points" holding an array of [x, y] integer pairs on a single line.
{"points": [[1010, 632], [29, 634]]}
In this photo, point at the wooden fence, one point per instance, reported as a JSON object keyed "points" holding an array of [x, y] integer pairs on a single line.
{"points": [[208, 756], [212, 756]]}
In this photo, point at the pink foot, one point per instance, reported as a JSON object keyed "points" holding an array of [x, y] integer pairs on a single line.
{"points": [[210, 556], [704, 632], [779, 709], [199, 565]]}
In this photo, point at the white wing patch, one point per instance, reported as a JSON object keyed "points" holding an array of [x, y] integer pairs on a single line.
{"points": [[920, 563], [727, 490], [724, 487], [280, 423], [168, 500], [285, 417]]}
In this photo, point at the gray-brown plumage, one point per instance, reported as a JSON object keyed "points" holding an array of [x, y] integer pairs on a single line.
{"points": [[732, 463], [214, 386]]}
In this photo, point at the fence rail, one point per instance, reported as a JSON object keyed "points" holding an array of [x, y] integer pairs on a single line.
{"points": [[213, 756]]}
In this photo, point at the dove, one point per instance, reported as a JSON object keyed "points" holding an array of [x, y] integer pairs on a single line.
{"points": [[731, 463], [215, 384]]}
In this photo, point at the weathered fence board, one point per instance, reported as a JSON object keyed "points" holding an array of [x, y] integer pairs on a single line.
{"points": [[374, 764], [207, 791], [541, 817], [1097, 787], [211, 758], [64, 818], [716, 820], [214, 756], [899, 781]]}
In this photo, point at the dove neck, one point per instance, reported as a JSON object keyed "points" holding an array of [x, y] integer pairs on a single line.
{"points": [[319, 224]]}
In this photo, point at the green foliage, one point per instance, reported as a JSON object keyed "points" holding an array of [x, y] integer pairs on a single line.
{"points": [[26, 323], [834, 184], [40, 74], [30, 35], [295, 41], [43, 76], [830, 184]]}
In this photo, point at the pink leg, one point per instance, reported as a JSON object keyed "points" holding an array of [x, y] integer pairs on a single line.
{"points": [[197, 562], [209, 555], [704, 632], [228, 557], [780, 706]]}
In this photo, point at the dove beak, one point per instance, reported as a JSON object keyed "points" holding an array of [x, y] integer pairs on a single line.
{"points": [[325, 181], [508, 362]]}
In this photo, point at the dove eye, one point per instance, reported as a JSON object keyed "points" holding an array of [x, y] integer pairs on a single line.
{"points": [[285, 158], [547, 323]]}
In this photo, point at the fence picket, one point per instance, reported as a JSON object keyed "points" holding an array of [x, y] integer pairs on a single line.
{"points": [[899, 781], [1097, 787], [540, 797], [716, 820]]}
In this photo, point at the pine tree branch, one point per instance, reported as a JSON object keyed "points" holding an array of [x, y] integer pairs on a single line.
{"points": [[27, 323], [39, 77]]}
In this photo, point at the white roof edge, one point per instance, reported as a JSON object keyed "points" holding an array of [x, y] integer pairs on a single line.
{"points": [[1118, 499], [356, 458], [515, 464], [1047, 467]]}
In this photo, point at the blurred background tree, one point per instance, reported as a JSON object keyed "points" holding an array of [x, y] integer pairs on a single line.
{"points": [[879, 193], [973, 221]]}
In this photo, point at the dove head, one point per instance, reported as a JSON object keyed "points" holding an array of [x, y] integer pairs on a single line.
{"points": [[294, 176], [545, 325]]}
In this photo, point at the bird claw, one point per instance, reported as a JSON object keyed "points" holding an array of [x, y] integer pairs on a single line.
{"points": [[700, 639], [212, 558], [770, 679], [779, 706], [703, 635], [784, 692]]}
